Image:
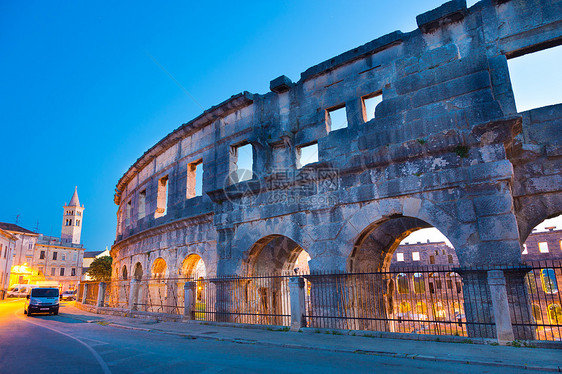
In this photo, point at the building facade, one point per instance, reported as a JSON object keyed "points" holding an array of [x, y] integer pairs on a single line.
{"points": [[59, 261], [40, 258], [7, 246], [22, 255]]}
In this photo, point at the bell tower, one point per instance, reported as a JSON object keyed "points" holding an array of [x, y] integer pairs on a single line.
{"points": [[72, 220]]}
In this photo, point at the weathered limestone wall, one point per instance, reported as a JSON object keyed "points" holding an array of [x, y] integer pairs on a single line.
{"points": [[446, 147]]}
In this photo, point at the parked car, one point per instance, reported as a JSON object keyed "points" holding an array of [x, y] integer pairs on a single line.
{"points": [[68, 295], [42, 300], [20, 290]]}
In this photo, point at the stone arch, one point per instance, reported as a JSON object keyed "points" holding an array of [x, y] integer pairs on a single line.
{"points": [[159, 268], [124, 273], [406, 214], [530, 211], [193, 266], [250, 236], [273, 254], [138, 272], [375, 246]]}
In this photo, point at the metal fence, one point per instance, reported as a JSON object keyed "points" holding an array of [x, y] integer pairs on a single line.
{"points": [[421, 300], [117, 294], [91, 289], [161, 295], [439, 300], [542, 280], [254, 300]]}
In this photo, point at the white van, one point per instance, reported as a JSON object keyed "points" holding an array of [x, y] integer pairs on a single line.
{"points": [[42, 300], [20, 290]]}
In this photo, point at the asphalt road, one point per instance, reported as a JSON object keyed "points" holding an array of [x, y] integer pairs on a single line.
{"points": [[61, 344]]}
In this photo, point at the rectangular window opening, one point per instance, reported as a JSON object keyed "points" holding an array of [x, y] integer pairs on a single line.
{"points": [[370, 102], [241, 163], [524, 249], [307, 154], [142, 204], [128, 211], [400, 257], [336, 118], [162, 198], [42, 255], [543, 247], [194, 179], [54, 256], [536, 78], [415, 256]]}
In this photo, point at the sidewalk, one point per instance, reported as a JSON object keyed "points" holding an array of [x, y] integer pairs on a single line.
{"points": [[530, 358]]}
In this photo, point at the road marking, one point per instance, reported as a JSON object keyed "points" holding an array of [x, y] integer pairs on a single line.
{"points": [[99, 342], [100, 360]]}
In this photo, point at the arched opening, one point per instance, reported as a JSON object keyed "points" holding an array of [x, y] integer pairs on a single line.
{"points": [[402, 242], [124, 272], [264, 297], [159, 268], [137, 274], [193, 267], [405, 260], [277, 254]]}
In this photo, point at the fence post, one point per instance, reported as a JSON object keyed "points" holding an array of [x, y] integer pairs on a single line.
{"points": [[101, 294], [133, 294], [296, 295], [189, 300], [85, 293], [500, 306]]}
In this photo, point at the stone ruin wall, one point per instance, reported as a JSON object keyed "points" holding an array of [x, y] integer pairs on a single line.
{"points": [[446, 148]]}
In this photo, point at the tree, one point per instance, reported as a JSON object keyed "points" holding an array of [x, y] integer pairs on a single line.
{"points": [[100, 269]]}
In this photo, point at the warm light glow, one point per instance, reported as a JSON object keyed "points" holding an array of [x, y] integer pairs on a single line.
{"points": [[21, 269]]}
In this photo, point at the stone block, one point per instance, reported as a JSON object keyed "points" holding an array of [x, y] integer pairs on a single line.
{"points": [[452, 11], [452, 88], [493, 205], [280, 84], [498, 227], [439, 56], [465, 211]]}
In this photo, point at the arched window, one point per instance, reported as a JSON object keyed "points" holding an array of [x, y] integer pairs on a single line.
{"points": [[125, 272], [402, 283], [421, 308], [405, 307], [419, 283], [548, 280], [555, 314]]}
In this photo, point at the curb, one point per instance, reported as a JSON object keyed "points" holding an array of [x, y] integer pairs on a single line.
{"points": [[345, 350]]}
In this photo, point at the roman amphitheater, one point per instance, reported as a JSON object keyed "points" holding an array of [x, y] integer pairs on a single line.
{"points": [[259, 182]]}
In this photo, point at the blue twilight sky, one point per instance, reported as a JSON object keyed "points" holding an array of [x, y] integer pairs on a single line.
{"points": [[87, 87]]}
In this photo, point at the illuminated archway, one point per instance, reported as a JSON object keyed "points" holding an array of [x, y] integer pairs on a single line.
{"points": [[193, 266], [159, 268]]}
